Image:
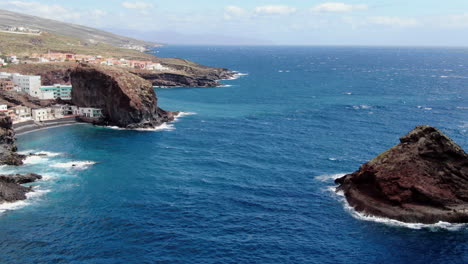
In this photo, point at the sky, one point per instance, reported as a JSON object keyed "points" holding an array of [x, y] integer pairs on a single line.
{"points": [[263, 22]]}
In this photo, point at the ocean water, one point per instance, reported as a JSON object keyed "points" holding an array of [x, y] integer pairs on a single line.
{"points": [[247, 177]]}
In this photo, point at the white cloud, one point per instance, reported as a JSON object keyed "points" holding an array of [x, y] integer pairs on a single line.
{"points": [[274, 10], [42, 10], [137, 5], [339, 7], [454, 21], [394, 21], [231, 12]]}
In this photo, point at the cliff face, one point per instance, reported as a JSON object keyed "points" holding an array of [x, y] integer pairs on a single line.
{"points": [[8, 155], [423, 179], [126, 100]]}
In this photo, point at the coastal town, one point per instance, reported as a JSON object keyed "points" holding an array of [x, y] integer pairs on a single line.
{"points": [[31, 85], [51, 57]]}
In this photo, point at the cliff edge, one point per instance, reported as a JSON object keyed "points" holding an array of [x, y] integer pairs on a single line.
{"points": [[424, 179], [126, 100]]}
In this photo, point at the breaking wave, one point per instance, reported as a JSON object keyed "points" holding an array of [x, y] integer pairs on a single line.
{"points": [[31, 198], [382, 220], [79, 165], [236, 76], [395, 223]]}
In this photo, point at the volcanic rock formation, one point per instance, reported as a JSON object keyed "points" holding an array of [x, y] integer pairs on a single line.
{"points": [[10, 185], [126, 100], [424, 179], [11, 189], [8, 155]]}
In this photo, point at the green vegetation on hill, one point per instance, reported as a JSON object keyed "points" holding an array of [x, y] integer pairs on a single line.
{"points": [[24, 45], [85, 34]]}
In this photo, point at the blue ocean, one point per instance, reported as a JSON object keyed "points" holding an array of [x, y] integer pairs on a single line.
{"points": [[246, 174]]}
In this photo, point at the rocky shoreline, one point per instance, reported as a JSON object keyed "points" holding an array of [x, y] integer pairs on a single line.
{"points": [[11, 188], [185, 73], [424, 179]]}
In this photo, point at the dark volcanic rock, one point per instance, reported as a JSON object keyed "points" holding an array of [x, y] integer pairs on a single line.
{"points": [[424, 179], [171, 79], [11, 189], [20, 178], [126, 100], [11, 192], [8, 155]]}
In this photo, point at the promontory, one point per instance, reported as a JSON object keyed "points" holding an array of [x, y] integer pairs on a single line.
{"points": [[126, 100]]}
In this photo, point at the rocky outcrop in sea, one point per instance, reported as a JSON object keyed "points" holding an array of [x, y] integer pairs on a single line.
{"points": [[424, 179], [126, 100]]}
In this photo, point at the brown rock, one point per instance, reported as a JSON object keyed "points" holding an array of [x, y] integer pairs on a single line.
{"points": [[126, 100], [424, 179]]}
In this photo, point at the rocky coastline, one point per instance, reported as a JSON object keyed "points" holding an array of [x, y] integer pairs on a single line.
{"points": [[424, 179], [11, 188]]}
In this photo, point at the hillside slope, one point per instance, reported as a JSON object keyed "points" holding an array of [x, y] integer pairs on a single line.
{"points": [[25, 45], [85, 34]]}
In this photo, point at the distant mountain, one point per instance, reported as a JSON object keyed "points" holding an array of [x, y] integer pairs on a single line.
{"points": [[172, 37], [86, 34]]}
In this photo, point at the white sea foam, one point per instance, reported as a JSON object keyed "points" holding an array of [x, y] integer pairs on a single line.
{"points": [[329, 177], [182, 114], [390, 222], [425, 108], [78, 165], [165, 126], [26, 152], [35, 160], [31, 197], [359, 107], [236, 76], [47, 153]]}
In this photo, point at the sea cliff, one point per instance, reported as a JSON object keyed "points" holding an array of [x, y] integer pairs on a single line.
{"points": [[125, 99]]}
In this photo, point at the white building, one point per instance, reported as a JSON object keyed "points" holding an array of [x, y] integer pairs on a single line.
{"points": [[60, 111], [29, 84], [90, 112], [3, 108], [156, 67], [12, 59], [57, 91], [42, 114], [21, 113]]}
